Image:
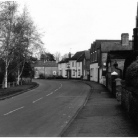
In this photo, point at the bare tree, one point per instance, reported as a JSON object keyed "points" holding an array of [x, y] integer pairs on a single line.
{"points": [[26, 39], [65, 56], [7, 18], [18, 38], [57, 56]]}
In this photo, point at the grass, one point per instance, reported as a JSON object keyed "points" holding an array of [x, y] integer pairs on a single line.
{"points": [[16, 89]]}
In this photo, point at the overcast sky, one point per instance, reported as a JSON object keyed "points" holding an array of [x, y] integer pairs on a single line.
{"points": [[72, 25]]}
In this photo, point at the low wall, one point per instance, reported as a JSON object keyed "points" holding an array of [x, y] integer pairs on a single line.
{"points": [[129, 100]]}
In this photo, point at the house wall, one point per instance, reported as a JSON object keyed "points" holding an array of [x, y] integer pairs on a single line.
{"points": [[100, 76], [79, 69], [46, 71], [62, 67], [102, 79], [94, 72], [85, 69], [101, 64], [73, 68]]}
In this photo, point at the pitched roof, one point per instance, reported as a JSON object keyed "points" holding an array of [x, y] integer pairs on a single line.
{"points": [[40, 63], [64, 60], [113, 46], [107, 45], [81, 57], [77, 55], [86, 55], [97, 43]]}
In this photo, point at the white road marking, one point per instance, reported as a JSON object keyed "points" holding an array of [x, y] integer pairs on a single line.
{"points": [[14, 110], [49, 94], [54, 90], [37, 99], [59, 87]]}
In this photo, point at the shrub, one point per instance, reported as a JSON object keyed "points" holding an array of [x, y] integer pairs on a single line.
{"points": [[129, 59], [50, 77], [41, 76], [132, 74], [59, 77]]}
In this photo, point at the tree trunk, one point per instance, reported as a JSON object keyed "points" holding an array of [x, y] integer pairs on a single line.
{"points": [[19, 73], [5, 76], [18, 77]]}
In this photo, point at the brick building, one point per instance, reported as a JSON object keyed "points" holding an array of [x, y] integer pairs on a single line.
{"points": [[85, 62], [98, 55]]}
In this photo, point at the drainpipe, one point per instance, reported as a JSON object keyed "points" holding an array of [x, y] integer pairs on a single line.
{"points": [[76, 69]]}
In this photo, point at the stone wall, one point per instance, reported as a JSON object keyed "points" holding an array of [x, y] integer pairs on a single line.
{"points": [[129, 101]]}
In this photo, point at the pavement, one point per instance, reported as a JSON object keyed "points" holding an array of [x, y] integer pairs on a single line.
{"points": [[102, 116]]}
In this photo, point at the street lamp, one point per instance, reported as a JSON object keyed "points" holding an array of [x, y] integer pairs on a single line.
{"points": [[114, 73]]}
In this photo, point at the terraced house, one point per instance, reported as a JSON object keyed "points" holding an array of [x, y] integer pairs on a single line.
{"points": [[75, 67], [63, 67]]}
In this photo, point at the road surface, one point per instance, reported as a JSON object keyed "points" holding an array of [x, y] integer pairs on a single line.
{"points": [[44, 111]]}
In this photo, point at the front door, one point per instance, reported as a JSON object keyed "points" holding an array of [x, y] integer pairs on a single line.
{"points": [[69, 74]]}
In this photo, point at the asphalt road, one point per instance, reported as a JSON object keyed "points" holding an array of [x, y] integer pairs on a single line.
{"points": [[44, 111]]}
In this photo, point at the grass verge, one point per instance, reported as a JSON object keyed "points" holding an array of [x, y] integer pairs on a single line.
{"points": [[16, 89]]}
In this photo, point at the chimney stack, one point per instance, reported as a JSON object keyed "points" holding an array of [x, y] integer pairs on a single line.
{"points": [[69, 55], [135, 34], [125, 39]]}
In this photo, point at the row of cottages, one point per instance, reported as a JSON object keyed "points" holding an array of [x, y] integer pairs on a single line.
{"points": [[102, 53], [75, 67], [45, 68]]}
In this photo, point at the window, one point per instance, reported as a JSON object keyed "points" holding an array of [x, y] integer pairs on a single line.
{"points": [[72, 64], [65, 72], [68, 65], [78, 72]]}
